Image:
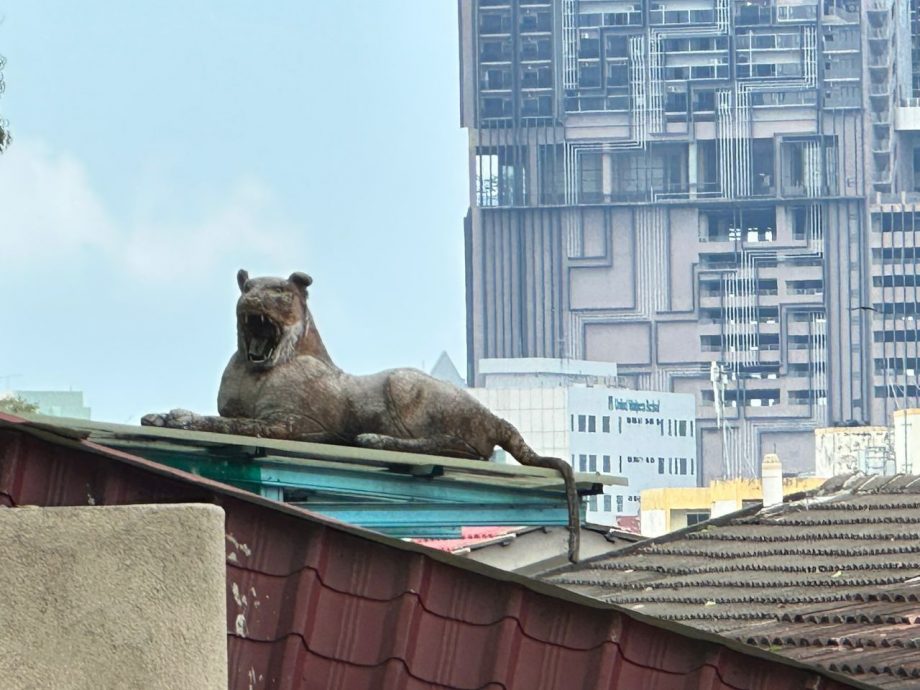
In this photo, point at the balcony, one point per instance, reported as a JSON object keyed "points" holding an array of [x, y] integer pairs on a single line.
{"points": [[881, 61], [882, 34], [840, 15], [882, 90]]}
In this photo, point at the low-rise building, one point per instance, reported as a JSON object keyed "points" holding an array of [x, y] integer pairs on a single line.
{"points": [[57, 403], [673, 508], [576, 410]]}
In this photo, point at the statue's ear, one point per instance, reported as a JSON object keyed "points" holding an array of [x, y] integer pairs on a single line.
{"points": [[241, 277], [301, 280]]}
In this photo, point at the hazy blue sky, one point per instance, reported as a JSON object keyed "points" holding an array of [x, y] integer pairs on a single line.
{"points": [[160, 146]]}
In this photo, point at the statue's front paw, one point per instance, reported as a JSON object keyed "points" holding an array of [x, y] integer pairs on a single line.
{"points": [[174, 419], [153, 420]]}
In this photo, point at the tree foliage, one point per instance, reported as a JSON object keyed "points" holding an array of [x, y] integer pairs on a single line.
{"points": [[16, 405]]}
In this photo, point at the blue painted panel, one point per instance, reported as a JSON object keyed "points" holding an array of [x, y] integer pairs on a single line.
{"points": [[374, 516]]}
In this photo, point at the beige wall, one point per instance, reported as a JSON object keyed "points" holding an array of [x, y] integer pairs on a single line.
{"points": [[665, 510], [841, 450], [113, 597]]}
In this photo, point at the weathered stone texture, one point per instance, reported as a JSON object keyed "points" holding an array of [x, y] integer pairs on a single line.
{"points": [[113, 597]]}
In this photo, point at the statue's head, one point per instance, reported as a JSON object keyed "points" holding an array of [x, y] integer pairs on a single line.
{"points": [[271, 317]]}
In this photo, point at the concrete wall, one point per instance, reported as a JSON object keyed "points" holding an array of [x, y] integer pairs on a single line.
{"points": [[651, 441], [647, 437], [841, 450], [538, 413], [113, 597], [538, 550], [665, 510], [906, 440]]}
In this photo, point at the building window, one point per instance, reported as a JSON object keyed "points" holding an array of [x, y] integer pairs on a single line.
{"points": [[692, 469], [606, 465], [500, 172], [605, 424], [697, 517], [669, 427], [682, 428], [607, 503], [582, 422], [660, 465], [592, 424], [683, 465], [571, 422], [620, 425], [590, 177], [621, 464], [592, 463], [619, 504], [691, 428], [582, 463], [592, 503]]}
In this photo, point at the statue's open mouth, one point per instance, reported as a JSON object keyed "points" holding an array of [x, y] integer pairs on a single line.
{"points": [[261, 336]]}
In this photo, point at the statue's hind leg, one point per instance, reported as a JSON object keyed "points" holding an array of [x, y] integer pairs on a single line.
{"points": [[441, 444]]}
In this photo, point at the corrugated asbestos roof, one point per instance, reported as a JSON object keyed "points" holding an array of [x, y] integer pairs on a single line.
{"points": [[313, 603], [825, 578]]}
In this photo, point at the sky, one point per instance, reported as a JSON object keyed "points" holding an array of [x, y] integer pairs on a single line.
{"points": [[161, 146]]}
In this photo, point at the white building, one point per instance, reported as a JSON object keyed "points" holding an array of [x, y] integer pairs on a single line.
{"points": [[848, 449], [574, 409]]}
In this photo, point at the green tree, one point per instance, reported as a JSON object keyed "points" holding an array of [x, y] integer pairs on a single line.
{"points": [[16, 405]]}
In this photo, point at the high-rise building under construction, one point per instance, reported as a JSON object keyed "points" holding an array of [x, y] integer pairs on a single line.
{"points": [[717, 195]]}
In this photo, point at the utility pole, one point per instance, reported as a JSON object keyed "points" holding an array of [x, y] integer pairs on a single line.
{"points": [[718, 379]]}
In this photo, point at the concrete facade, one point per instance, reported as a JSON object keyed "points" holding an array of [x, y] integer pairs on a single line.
{"points": [[667, 510], [905, 441], [844, 450], [537, 550], [667, 185], [113, 597], [568, 409]]}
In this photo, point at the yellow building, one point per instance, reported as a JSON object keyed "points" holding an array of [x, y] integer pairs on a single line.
{"points": [[666, 510]]}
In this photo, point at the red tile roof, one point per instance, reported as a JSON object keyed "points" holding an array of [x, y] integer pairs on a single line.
{"points": [[470, 536], [629, 523], [313, 603]]}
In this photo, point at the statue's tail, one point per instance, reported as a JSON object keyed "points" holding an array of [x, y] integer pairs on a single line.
{"points": [[511, 440]]}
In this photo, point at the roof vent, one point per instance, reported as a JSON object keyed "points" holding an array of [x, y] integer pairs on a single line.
{"points": [[771, 480]]}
